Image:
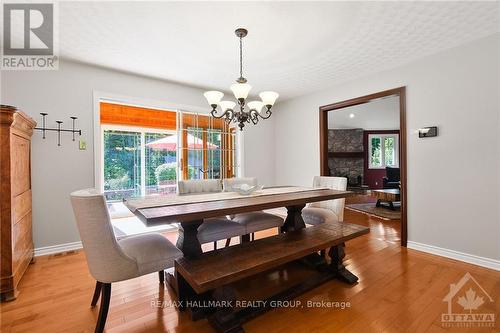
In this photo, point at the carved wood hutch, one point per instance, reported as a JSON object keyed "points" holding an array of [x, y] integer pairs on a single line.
{"points": [[16, 242]]}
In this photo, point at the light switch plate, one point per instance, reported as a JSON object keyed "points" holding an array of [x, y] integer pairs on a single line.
{"points": [[83, 144]]}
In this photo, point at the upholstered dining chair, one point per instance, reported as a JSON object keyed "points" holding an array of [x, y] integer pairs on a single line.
{"points": [[216, 228], [110, 260], [253, 221], [326, 211]]}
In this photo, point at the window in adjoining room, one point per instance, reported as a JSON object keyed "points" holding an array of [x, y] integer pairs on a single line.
{"points": [[383, 151]]}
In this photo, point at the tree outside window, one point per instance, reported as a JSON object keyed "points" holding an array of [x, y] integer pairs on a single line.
{"points": [[133, 168], [383, 150], [122, 164]]}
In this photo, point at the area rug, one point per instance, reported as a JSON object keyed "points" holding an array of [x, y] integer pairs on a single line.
{"points": [[380, 212]]}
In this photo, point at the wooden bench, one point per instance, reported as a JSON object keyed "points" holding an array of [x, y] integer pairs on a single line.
{"points": [[209, 277]]}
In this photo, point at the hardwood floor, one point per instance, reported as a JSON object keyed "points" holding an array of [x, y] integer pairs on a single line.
{"points": [[399, 290]]}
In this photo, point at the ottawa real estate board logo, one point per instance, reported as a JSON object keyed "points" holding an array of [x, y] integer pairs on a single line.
{"points": [[30, 38], [469, 305]]}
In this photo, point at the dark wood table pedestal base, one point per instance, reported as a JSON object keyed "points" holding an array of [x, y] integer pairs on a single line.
{"points": [[294, 220], [337, 255], [188, 241]]}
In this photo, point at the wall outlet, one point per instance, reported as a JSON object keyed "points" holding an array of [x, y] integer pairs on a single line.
{"points": [[83, 144]]}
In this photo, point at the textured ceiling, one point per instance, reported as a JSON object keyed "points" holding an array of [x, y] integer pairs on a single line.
{"points": [[293, 48], [378, 114]]}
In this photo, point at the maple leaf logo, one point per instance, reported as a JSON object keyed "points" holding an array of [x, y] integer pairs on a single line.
{"points": [[471, 301]]}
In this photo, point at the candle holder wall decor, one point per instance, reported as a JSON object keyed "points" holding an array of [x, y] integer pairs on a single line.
{"points": [[59, 128]]}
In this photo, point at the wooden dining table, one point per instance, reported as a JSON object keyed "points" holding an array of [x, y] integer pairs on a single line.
{"points": [[190, 210], [214, 275]]}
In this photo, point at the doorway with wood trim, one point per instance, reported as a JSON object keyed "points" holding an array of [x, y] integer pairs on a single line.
{"points": [[376, 167]]}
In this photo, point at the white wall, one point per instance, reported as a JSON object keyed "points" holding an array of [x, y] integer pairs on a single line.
{"points": [[379, 114], [453, 179], [259, 159], [57, 171]]}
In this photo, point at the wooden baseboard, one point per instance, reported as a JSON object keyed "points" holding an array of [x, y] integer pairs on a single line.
{"points": [[46, 250], [452, 254]]}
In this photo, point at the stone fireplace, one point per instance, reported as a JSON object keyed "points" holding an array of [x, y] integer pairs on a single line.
{"points": [[345, 154]]}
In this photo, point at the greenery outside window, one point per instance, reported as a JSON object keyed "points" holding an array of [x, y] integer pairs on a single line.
{"points": [[136, 162], [383, 151]]}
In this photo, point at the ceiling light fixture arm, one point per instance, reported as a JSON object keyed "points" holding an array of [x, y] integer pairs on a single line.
{"points": [[267, 114], [227, 113], [254, 116]]}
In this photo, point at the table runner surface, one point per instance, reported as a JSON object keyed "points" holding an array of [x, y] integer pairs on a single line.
{"points": [[172, 200]]}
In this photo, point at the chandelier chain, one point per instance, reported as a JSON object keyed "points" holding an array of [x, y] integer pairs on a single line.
{"points": [[241, 57]]}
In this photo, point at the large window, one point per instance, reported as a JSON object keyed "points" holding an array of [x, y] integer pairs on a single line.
{"points": [[145, 151], [383, 151]]}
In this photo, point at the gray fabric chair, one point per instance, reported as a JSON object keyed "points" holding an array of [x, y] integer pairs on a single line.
{"points": [[326, 211], [110, 260], [212, 229], [253, 221], [199, 186]]}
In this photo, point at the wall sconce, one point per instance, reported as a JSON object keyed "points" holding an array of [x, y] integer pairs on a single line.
{"points": [[427, 132]]}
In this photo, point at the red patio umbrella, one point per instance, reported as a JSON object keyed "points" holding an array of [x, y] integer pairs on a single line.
{"points": [[170, 143]]}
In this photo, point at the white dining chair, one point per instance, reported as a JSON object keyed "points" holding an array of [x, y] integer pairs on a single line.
{"points": [[252, 221], [326, 211], [110, 260], [216, 228]]}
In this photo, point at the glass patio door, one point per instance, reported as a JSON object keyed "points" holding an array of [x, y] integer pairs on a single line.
{"points": [[195, 153], [122, 164], [139, 162], [160, 164]]}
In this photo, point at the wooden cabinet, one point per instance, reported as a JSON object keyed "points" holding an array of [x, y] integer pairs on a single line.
{"points": [[16, 242]]}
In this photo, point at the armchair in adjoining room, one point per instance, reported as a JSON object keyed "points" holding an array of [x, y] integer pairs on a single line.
{"points": [[392, 178]]}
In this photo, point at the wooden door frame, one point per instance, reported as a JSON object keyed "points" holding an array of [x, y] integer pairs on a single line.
{"points": [[323, 142]]}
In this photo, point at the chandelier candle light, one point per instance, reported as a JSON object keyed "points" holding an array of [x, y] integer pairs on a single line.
{"points": [[240, 90]]}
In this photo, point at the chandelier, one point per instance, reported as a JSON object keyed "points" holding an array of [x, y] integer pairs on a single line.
{"points": [[239, 114]]}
